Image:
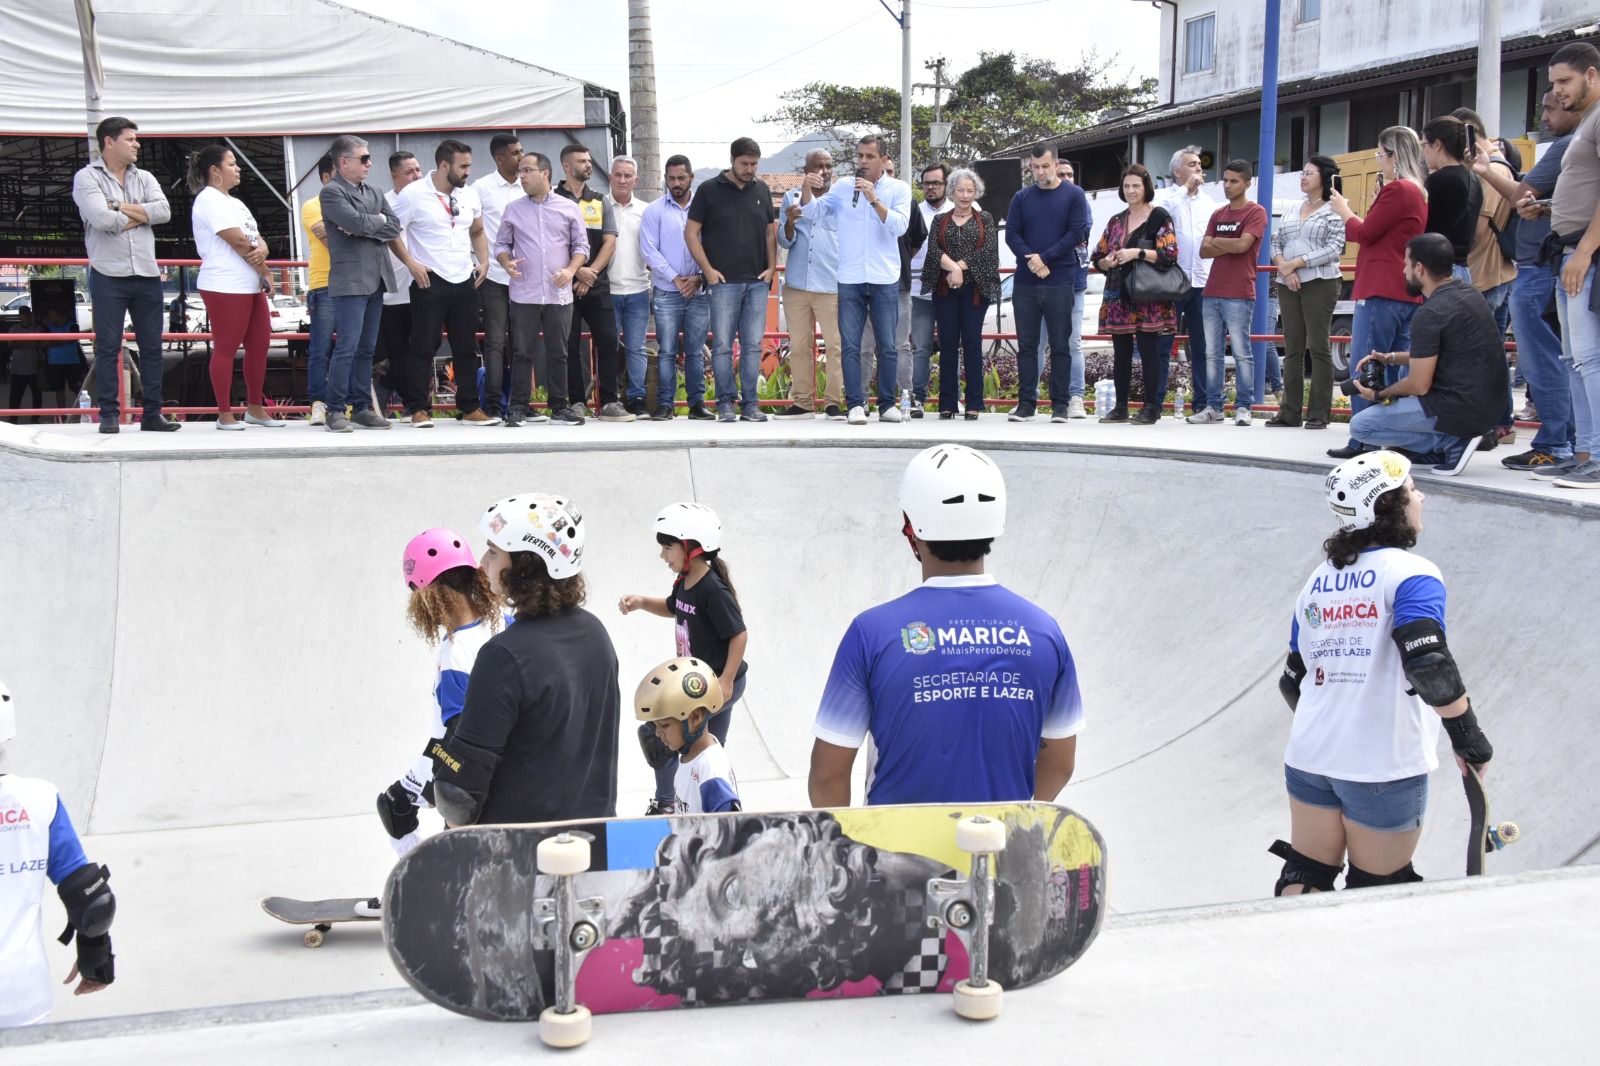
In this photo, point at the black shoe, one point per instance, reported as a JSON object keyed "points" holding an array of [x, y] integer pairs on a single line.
{"points": [[972, 416], [833, 413], [109, 424], [1116, 414], [1279, 422], [663, 413], [1316, 423], [638, 409], [1146, 417], [698, 413], [513, 418], [656, 807], [917, 410], [1530, 460], [945, 416], [1489, 442], [1349, 451], [567, 416], [159, 423]]}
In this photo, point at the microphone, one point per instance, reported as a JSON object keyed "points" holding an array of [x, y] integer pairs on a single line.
{"points": [[856, 199]]}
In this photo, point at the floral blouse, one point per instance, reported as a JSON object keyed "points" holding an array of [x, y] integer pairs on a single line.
{"points": [[977, 241], [1124, 316]]}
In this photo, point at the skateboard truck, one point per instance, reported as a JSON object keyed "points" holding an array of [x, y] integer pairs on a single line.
{"points": [[572, 928], [966, 908]]}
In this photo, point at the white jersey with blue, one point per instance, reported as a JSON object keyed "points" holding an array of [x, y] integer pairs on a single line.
{"points": [[452, 668], [705, 784], [956, 681], [37, 841], [1356, 719]]}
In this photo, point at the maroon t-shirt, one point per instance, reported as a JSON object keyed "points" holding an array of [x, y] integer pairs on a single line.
{"points": [[1233, 277]]}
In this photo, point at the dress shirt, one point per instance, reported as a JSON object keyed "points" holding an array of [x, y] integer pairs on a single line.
{"points": [[629, 274], [494, 192], [661, 240], [869, 246], [545, 234], [436, 236], [813, 263], [118, 246], [1190, 216]]}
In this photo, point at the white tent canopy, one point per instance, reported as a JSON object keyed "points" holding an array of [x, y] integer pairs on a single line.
{"points": [[208, 67]]}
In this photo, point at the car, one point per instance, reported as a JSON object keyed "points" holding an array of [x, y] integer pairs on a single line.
{"points": [[289, 315], [999, 319], [9, 310]]}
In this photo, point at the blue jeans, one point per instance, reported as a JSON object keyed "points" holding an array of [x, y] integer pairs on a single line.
{"points": [[1539, 359], [355, 320], [692, 316], [1379, 325], [1229, 320], [856, 301], [115, 300], [738, 308], [1191, 322], [320, 306], [923, 318], [1460, 272], [1381, 806], [1402, 424], [633, 322], [1580, 350], [1043, 309], [1075, 344]]}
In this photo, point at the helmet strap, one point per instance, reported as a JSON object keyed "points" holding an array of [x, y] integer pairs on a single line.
{"points": [[691, 737], [911, 537]]}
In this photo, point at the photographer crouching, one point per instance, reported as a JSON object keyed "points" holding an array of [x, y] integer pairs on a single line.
{"points": [[1455, 380]]}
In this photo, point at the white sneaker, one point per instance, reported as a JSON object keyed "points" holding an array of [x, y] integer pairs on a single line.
{"points": [[1204, 416], [857, 417], [1241, 415], [370, 908], [890, 414], [319, 414], [1075, 408]]}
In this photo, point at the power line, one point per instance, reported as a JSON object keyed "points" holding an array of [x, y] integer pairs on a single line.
{"points": [[780, 59]]}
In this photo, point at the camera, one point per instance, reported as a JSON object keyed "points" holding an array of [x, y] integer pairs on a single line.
{"points": [[1371, 375]]}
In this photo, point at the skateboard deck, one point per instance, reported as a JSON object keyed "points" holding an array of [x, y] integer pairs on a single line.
{"points": [[744, 907], [323, 914], [1483, 837]]}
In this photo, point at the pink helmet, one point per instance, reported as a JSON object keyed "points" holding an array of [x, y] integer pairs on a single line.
{"points": [[432, 553]]}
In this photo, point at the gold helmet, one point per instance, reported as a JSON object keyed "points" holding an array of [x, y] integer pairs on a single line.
{"points": [[676, 688]]}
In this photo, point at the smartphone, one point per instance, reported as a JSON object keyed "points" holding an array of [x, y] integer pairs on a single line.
{"points": [[1472, 141], [1337, 184], [1542, 203]]}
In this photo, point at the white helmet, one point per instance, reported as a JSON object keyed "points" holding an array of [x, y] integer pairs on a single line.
{"points": [[8, 714], [952, 492], [1353, 487], [691, 521], [538, 522]]}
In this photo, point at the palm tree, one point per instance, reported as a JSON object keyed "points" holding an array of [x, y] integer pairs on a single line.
{"points": [[642, 97]]}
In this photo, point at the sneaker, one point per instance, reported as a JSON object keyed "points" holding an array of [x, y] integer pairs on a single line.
{"points": [[1075, 408], [514, 418], [698, 413], [664, 413], [370, 908], [1205, 416], [726, 413], [1455, 459], [833, 413], [1058, 414], [1585, 476], [369, 419], [918, 410], [751, 412], [479, 418], [657, 807], [638, 408], [1530, 460], [794, 410], [1023, 412], [567, 416], [857, 416], [337, 423], [420, 420], [890, 414], [1529, 413], [615, 412], [1559, 468], [319, 414], [1241, 416]]}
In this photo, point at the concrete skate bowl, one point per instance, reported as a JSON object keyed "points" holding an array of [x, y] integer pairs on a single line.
{"points": [[218, 642]]}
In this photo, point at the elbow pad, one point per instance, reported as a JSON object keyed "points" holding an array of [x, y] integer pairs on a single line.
{"points": [[1294, 671], [461, 782], [91, 906], [1427, 662]]}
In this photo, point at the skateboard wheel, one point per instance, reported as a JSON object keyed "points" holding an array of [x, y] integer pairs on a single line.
{"points": [[563, 854], [977, 1004], [564, 1030], [979, 835], [314, 938], [1509, 832]]}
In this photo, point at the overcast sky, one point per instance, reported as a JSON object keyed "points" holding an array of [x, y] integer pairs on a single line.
{"points": [[720, 65]]}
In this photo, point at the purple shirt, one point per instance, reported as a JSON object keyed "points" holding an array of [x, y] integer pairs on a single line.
{"points": [[545, 235], [661, 240]]}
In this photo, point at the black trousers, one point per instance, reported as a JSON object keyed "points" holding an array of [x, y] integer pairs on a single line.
{"points": [[454, 307], [539, 352], [593, 310]]}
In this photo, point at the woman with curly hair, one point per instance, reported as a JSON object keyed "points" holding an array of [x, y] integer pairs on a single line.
{"points": [[1369, 627], [536, 740]]}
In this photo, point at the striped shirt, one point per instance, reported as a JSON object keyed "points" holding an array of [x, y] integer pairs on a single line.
{"points": [[1319, 240]]}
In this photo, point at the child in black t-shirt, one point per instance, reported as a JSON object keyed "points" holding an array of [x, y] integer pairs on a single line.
{"points": [[708, 624]]}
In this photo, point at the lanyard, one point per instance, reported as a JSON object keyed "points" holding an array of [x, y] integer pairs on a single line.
{"points": [[449, 206]]}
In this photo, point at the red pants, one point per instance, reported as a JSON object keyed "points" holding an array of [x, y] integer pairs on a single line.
{"points": [[238, 318]]}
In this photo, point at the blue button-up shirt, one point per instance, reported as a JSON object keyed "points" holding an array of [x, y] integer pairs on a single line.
{"points": [[869, 246], [661, 240], [813, 263]]}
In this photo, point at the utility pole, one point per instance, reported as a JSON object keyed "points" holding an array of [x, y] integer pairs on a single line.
{"points": [[94, 78], [1267, 161], [939, 131], [1489, 68], [646, 138], [904, 19]]}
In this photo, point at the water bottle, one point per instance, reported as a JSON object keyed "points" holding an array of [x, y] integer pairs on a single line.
{"points": [[1177, 402], [83, 403], [905, 404], [1105, 396]]}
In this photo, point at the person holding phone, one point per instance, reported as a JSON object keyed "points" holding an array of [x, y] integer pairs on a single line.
{"points": [[1306, 246], [1455, 197]]}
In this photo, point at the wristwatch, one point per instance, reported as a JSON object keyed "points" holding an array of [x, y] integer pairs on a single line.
{"points": [[115, 205]]}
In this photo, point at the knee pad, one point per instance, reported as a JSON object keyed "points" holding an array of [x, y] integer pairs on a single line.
{"points": [[1298, 869], [1359, 878]]}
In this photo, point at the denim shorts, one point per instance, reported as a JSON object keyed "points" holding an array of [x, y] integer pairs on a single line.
{"points": [[1381, 806]]}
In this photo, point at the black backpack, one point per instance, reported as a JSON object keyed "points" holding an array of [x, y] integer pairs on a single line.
{"points": [[1508, 236]]}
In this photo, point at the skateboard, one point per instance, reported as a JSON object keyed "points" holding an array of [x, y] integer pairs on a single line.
{"points": [[559, 921], [320, 914], [1482, 837]]}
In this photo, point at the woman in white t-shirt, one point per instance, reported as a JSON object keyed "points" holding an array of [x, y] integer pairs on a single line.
{"points": [[233, 282], [1369, 678]]}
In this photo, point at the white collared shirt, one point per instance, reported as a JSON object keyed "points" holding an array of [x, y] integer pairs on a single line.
{"points": [[494, 192], [628, 271], [1190, 214], [869, 246], [437, 238]]}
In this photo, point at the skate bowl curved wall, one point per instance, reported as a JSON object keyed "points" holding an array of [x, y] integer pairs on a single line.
{"points": [[220, 640]]}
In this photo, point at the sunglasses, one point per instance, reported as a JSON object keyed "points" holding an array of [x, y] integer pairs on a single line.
{"points": [[450, 206], [364, 160]]}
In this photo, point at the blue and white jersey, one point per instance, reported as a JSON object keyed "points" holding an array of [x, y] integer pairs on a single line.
{"points": [[705, 784], [37, 842], [1355, 719], [452, 668], [956, 682]]}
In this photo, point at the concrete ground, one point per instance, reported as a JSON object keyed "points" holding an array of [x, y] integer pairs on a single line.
{"points": [[206, 640]]}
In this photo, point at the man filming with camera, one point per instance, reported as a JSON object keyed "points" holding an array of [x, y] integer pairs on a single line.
{"points": [[1455, 382]]}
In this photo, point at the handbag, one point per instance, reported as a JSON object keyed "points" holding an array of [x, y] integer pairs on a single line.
{"points": [[1147, 283]]}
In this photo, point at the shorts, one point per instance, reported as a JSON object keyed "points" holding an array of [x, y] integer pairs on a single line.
{"points": [[1381, 806], [64, 377]]}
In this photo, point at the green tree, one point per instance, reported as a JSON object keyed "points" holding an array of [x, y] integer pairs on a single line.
{"points": [[1003, 100]]}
